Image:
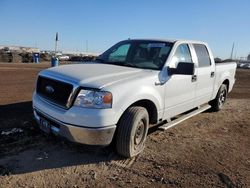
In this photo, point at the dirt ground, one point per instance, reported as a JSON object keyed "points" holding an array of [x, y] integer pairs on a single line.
{"points": [[208, 150]]}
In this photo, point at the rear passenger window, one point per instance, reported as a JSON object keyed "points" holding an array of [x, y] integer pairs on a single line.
{"points": [[202, 55]]}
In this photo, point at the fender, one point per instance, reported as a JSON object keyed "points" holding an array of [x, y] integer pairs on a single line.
{"points": [[219, 81], [126, 99]]}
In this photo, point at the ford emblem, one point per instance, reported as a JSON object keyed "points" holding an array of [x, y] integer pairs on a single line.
{"points": [[49, 89]]}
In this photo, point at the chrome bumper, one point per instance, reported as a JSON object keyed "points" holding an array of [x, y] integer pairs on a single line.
{"points": [[84, 135]]}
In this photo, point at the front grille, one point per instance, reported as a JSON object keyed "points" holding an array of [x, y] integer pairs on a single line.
{"points": [[53, 90]]}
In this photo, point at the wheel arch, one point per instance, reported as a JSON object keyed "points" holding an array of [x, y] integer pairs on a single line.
{"points": [[226, 82], [150, 106]]}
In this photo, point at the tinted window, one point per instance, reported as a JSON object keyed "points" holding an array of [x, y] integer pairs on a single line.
{"points": [[120, 53], [202, 55], [182, 54]]}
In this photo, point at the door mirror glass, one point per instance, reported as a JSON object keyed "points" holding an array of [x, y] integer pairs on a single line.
{"points": [[182, 68], [163, 75]]}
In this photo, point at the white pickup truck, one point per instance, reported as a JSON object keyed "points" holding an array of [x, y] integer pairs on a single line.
{"points": [[134, 84]]}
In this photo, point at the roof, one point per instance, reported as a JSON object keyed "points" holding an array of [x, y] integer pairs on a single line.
{"points": [[172, 40]]}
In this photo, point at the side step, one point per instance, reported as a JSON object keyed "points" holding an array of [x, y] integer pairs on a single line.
{"points": [[184, 117]]}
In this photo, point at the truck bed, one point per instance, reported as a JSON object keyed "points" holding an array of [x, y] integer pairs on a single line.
{"points": [[225, 70]]}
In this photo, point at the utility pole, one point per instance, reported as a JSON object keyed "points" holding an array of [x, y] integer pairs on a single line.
{"points": [[56, 43], [232, 52], [87, 46], [235, 54], [54, 59]]}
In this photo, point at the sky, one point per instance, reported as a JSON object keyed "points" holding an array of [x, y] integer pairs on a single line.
{"points": [[102, 23]]}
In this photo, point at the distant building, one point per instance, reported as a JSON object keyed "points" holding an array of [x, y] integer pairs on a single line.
{"points": [[78, 53], [20, 49]]}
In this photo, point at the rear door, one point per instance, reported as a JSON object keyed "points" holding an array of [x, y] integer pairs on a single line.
{"points": [[205, 73]]}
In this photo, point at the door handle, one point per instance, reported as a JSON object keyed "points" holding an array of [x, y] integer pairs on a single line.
{"points": [[212, 74], [194, 78]]}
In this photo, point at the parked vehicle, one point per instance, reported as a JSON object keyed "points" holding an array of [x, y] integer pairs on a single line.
{"points": [[63, 57], [134, 84]]}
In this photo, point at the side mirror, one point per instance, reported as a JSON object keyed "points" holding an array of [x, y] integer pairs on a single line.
{"points": [[182, 68]]}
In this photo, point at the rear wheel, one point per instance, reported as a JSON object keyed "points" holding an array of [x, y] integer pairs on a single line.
{"points": [[218, 103], [132, 131]]}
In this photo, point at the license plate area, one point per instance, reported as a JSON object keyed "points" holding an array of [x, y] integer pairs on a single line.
{"points": [[45, 125]]}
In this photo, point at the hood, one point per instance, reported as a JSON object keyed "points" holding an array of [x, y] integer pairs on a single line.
{"points": [[94, 75]]}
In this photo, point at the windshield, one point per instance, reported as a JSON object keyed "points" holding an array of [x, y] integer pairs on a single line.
{"points": [[145, 54]]}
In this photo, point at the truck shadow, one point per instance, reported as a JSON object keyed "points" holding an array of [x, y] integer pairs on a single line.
{"points": [[24, 148], [12, 115]]}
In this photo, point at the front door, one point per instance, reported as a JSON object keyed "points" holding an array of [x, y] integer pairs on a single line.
{"points": [[179, 89]]}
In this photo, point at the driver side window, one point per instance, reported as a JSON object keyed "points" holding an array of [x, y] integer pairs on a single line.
{"points": [[182, 54]]}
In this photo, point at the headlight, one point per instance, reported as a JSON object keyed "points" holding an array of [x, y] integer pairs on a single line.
{"points": [[93, 99]]}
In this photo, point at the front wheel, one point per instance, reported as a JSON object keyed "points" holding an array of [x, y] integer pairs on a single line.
{"points": [[218, 103], [132, 131]]}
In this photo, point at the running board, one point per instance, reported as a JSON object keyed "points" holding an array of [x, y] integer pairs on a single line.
{"points": [[184, 117]]}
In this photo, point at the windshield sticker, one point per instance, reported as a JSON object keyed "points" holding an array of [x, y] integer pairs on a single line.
{"points": [[156, 45]]}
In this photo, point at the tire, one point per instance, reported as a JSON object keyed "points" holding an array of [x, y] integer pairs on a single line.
{"points": [[132, 131], [218, 103]]}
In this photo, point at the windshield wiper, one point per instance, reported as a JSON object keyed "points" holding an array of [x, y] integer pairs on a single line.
{"points": [[99, 59], [130, 65], [116, 63], [109, 62]]}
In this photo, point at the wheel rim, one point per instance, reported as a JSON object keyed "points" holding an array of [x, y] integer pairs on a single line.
{"points": [[222, 97], [139, 134]]}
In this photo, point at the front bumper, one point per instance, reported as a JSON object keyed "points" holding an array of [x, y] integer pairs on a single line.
{"points": [[84, 135]]}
